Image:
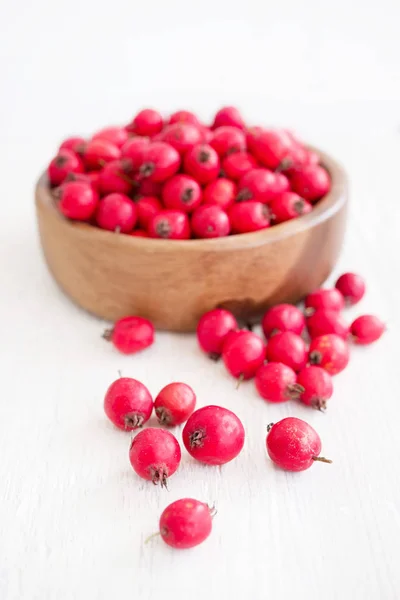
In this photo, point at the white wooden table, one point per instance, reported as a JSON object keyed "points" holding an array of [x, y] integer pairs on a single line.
{"points": [[73, 515]]}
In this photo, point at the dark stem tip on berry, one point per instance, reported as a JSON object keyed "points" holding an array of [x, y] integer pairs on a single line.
{"points": [[243, 195], [133, 421], [187, 195], [107, 334], [240, 380], [159, 476], [315, 357], [269, 427], [309, 311], [196, 439], [214, 356], [299, 206], [147, 169], [163, 415], [204, 156], [60, 160], [249, 326], [322, 459], [285, 164], [163, 228], [295, 390], [319, 404]]}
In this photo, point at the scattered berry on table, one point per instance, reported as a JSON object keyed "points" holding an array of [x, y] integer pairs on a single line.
{"points": [[288, 348], [174, 404], [128, 403], [283, 317], [212, 330], [329, 299], [317, 386], [243, 354], [131, 334], [155, 455], [324, 321], [330, 352], [367, 329], [351, 286], [276, 382], [186, 523]]}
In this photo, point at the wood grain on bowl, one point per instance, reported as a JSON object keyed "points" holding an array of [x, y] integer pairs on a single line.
{"points": [[173, 283]]}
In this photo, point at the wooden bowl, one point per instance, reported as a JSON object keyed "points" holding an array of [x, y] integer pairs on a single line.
{"points": [[173, 283]]}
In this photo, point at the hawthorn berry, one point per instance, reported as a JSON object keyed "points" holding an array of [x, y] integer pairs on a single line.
{"points": [[155, 455], [128, 403], [174, 404], [186, 523], [131, 334]]}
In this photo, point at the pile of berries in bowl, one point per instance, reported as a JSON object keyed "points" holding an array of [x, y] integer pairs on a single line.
{"points": [[177, 178]]}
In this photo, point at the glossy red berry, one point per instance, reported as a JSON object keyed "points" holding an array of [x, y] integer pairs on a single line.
{"points": [[182, 192], [246, 217], [330, 352], [288, 348], [288, 206], [324, 321], [64, 163], [147, 122], [131, 334], [99, 152], [78, 201], [206, 134], [227, 140], [160, 162], [243, 355], [155, 455], [116, 135], [139, 233], [170, 224], [367, 329], [74, 144], [116, 212], [184, 116], [94, 178], [213, 329], [202, 163], [238, 164], [283, 317], [293, 445], [149, 188], [134, 150], [210, 221], [351, 286], [182, 136], [128, 403], [147, 207], [329, 299], [174, 404], [312, 182], [213, 435], [116, 177], [261, 185], [271, 147], [276, 382], [229, 115], [186, 523], [221, 192], [316, 386]]}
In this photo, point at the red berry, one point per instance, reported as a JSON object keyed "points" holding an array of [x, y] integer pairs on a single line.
{"points": [[330, 352], [147, 207], [252, 135], [271, 147], [276, 382], [221, 192], [288, 206], [324, 321], [170, 224], [351, 286], [135, 149], [243, 354], [329, 299], [149, 188], [181, 136], [184, 116], [116, 135], [94, 178], [78, 201], [249, 216], [206, 134], [99, 152], [65, 162], [238, 164], [139, 233], [210, 221], [312, 182], [227, 140], [293, 444], [75, 144], [116, 177], [213, 329], [147, 122], [128, 403], [155, 455], [367, 329], [317, 386], [131, 334], [228, 115], [174, 404], [213, 435], [261, 185], [186, 523], [160, 162], [116, 212], [287, 348], [181, 192], [202, 163], [283, 317]]}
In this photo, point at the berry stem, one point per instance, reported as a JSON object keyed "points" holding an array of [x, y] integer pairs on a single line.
{"points": [[107, 334], [269, 427], [153, 535], [322, 459], [240, 380]]}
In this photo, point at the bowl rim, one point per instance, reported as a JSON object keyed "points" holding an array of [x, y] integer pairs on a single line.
{"points": [[322, 210]]}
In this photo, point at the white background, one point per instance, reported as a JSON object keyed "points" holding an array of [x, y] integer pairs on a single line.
{"points": [[73, 514]]}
